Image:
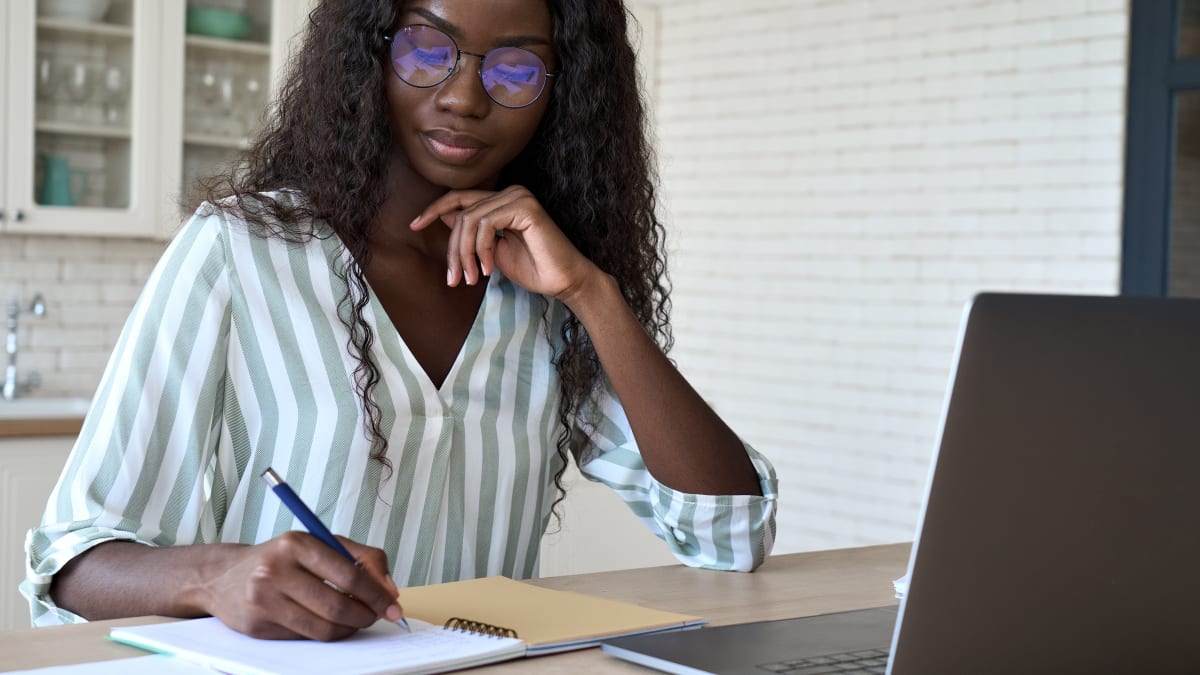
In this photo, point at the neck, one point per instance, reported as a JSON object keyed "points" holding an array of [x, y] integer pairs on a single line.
{"points": [[408, 194]]}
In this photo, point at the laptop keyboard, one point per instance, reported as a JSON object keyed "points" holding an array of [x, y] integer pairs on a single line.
{"points": [[866, 661]]}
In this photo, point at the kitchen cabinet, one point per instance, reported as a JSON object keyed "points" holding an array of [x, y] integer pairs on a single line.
{"points": [[109, 118], [29, 468]]}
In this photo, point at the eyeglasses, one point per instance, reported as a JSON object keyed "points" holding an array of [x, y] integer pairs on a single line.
{"points": [[423, 56]]}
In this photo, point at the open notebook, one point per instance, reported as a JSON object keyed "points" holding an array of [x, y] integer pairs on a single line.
{"points": [[455, 625], [545, 620]]}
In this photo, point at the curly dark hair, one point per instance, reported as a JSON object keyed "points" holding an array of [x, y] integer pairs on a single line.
{"points": [[589, 164]]}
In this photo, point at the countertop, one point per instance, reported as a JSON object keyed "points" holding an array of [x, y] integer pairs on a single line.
{"points": [[42, 417], [43, 427]]}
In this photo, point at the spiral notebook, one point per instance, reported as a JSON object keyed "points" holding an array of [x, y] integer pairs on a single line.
{"points": [[546, 620], [455, 625]]}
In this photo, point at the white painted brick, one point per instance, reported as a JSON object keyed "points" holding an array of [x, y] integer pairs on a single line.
{"points": [[81, 270], [1015, 35], [1111, 6], [120, 293], [94, 315], [74, 337], [968, 146], [69, 383], [10, 249], [1050, 56], [91, 359], [1037, 9], [1107, 50], [60, 248], [33, 273]]}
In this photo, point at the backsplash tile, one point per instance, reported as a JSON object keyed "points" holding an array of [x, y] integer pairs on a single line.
{"points": [[89, 285]]}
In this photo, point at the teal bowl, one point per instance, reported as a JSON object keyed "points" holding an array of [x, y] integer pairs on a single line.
{"points": [[219, 23]]}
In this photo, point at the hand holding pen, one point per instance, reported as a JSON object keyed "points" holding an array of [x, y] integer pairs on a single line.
{"points": [[314, 525], [281, 589]]}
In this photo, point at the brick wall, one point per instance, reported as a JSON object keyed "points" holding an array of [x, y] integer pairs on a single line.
{"points": [[840, 176], [89, 286]]}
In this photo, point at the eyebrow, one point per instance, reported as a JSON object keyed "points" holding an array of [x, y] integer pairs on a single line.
{"points": [[454, 32]]}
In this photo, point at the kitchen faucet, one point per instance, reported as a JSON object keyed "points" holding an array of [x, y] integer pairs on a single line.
{"points": [[12, 386]]}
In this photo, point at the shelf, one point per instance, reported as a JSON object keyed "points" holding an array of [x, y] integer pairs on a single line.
{"points": [[107, 30], [76, 129], [224, 45], [210, 141]]}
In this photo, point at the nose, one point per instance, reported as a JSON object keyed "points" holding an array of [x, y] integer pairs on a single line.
{"points": [[462, 93]]}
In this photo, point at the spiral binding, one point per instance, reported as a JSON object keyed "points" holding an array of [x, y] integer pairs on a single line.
{"points": [[468, 626]]}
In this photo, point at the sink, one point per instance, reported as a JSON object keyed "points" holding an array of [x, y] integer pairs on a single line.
{"points": [[43, 408]]}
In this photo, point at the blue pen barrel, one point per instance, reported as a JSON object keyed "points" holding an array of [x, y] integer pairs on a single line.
{"points": [[309, 519]]}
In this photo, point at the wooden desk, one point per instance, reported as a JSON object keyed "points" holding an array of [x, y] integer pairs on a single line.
{"points": [[798, 584]]}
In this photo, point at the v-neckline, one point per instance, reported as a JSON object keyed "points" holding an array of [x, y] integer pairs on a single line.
{"points": [[384, 321]]}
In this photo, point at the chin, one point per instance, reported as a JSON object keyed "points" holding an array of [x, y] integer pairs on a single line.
{"points": [[463, 184], [458, 179]]}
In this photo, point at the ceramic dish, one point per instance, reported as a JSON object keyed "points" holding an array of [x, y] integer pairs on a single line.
{"points": [[219, 23]]}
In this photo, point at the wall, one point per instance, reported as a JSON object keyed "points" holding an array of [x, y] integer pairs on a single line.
{"points": [[89, 285], [840, 176]]}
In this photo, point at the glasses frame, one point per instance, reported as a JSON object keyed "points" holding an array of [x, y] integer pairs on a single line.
{"points": [[390, 40]]}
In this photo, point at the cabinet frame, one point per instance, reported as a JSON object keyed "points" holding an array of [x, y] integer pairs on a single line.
{"points": [[156, 110], [134, 220]]}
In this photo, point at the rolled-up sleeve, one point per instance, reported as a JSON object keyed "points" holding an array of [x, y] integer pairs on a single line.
{"points": [[725, 532], [138, 470]]}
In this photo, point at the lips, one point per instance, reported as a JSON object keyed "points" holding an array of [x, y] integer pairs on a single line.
{"points": [[452, 147]]}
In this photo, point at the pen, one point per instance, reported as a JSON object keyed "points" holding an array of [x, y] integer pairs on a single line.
{"points": [[310, 520]]}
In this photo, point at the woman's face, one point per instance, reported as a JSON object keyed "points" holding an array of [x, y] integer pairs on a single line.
{"points": [[453, 134]]}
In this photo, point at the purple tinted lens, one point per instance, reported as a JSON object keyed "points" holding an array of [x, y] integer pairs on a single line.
{"points": [[423, 56], [513, 77]]}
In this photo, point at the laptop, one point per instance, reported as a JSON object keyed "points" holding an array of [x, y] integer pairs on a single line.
{"points": [[1060, 531]]}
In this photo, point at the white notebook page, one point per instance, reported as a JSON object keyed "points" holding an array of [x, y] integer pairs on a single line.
{"points": [[382, 649]]}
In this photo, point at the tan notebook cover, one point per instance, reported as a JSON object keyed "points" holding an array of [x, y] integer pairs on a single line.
{"points": [[546, 620]]}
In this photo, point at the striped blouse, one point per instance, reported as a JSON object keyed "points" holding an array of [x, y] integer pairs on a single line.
{"points": [[234, 359]]}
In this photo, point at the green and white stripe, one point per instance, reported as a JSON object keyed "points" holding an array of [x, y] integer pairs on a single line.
{"points": [[234, 360]]}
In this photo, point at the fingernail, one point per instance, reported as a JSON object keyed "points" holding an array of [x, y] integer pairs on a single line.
{"points": [[414, 222], [394, 613], [449, 277]]}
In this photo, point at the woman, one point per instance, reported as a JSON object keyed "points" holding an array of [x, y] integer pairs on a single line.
{"points": [[438, 273]]}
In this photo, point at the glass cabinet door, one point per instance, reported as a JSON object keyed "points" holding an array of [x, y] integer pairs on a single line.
{"points": [[78, 147], [113, 109], [226, 76], [231, 51]]}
